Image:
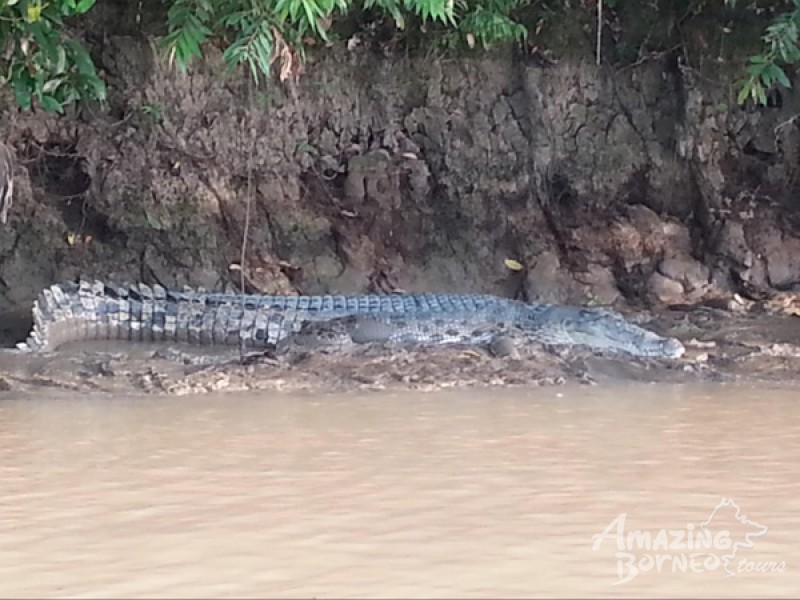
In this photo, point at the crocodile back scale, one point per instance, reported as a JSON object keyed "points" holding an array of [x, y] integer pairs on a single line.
{"points": [[86, 310]]}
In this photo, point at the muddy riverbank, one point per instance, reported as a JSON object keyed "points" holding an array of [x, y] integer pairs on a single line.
{"points": [[640, 188], [757, 343]]}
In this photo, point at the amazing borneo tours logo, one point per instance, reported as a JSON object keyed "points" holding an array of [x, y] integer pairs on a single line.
{"points": [[711, 546]]}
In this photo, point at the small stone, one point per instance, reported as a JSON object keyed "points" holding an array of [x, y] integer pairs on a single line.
{"points": [[547, 281], [503, 346], [695, 343], [601, 284], [221, 383], [686, 270], [666, 290]]}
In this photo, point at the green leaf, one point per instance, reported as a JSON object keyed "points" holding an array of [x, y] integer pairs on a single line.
{"points": [[80, 58], [757, 69], [52, 85], [45, 37], [95, 87], [61, 60], [22, 93], [761, 94], [779, 75], [50, 104], [83, 6], [743, 94]]}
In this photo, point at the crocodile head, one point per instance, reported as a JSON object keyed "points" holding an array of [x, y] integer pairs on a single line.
{"points": [[600, 329]]}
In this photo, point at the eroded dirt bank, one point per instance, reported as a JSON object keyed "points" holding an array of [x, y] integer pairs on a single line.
{"points": [[636, 188], [378, 172]]}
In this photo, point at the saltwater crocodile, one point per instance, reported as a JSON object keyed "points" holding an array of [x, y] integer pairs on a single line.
{"points": [[95, 310]]}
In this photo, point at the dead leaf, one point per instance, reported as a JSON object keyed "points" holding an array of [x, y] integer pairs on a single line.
{"points": [[512, 264]]}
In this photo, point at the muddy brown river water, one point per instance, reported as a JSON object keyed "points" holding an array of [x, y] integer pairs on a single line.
{"points": [[625, 490]]}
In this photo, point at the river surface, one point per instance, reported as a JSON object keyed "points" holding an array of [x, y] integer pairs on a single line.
{"points": [[469, 494]]}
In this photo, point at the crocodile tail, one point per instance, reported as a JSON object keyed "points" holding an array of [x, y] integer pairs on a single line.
{"points": [[52, 318], [67, 312], [84, 310]]}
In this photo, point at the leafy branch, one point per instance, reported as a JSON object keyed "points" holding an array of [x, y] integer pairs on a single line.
{"points": [[40, 60], [46, 67], [491, 22], [780, 49], [263, 33]]}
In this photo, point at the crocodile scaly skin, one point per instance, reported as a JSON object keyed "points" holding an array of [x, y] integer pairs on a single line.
{"points": [[100, 311]]}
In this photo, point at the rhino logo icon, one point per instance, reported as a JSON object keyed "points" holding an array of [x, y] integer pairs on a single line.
{"points": [[727, 515]]}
